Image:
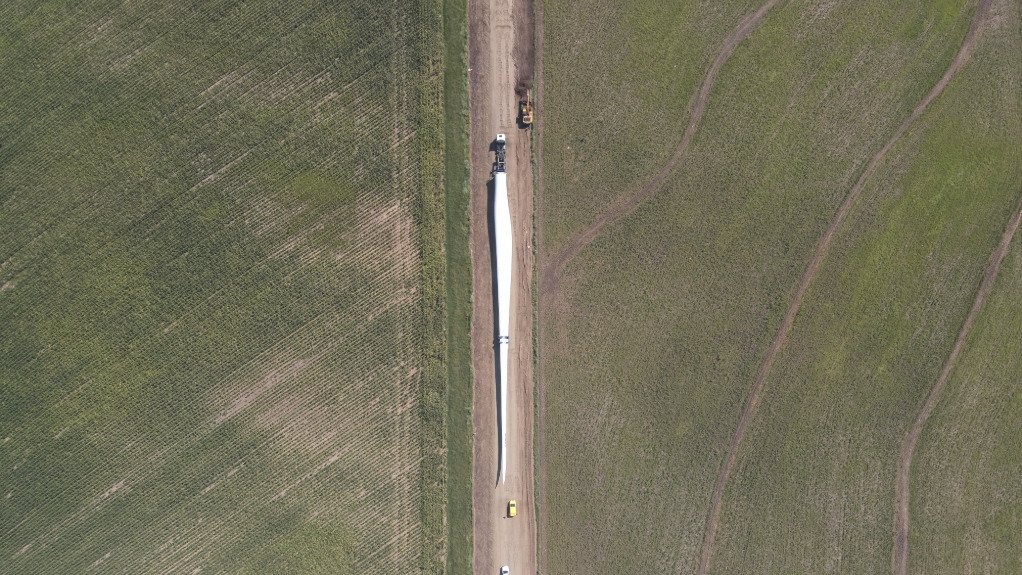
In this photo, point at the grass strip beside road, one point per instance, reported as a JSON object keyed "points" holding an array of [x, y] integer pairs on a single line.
{"points": [[459, 291], [431, 215]]}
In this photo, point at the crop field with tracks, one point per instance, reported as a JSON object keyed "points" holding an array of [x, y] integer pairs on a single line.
{"points": [[966, 499], [733, 351], [224, 282]]}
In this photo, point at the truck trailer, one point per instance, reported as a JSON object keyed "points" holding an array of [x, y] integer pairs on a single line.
{"points": [[503, 258]]}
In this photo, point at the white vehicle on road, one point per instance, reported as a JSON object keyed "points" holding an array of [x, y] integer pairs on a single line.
{"points": [[505, 570]]}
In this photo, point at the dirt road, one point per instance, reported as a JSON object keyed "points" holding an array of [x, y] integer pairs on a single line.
{"points": [[500, 37]]}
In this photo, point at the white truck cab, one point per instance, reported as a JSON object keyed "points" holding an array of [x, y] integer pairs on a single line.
{"points": [[501, 139]]}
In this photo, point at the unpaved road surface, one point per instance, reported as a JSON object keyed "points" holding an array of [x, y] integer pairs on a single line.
{"points": [[822, 248], [498, 30]]}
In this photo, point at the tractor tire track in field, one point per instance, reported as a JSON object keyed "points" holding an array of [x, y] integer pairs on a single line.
{"points": [[899, 559], [551, 272], [822, 248]]}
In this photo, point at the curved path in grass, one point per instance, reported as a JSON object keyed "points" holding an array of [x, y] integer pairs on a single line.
{"points": [[822, 248], [552, 270], [899, 560]]}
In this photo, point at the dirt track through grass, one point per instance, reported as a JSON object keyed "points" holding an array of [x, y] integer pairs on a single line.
{"points": [[540, 380], [809, 275], [551, 272], [899, 559]]}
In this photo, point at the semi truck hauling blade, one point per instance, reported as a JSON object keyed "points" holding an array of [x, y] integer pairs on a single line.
{"points": [[503, 242]]}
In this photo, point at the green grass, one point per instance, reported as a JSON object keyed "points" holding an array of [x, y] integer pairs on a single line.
{"points": [[965, 514], [637, 65], [965, 500], [431, 216], [459, 291], [667, 316], [819, 462], [223, 238]]}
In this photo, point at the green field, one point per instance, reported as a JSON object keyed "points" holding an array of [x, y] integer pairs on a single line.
{"points": [[660, 53], [966, 505], [459, 291], [874, 333], [652, 344], [224, 251], [966, 498]]}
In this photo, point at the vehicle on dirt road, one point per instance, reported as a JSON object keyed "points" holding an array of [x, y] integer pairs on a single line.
{"points": [[525, 110], [505, 570], [512, 508]]}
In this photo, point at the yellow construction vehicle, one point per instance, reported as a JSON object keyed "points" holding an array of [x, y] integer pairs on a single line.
{"points": [[525, 110]]}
